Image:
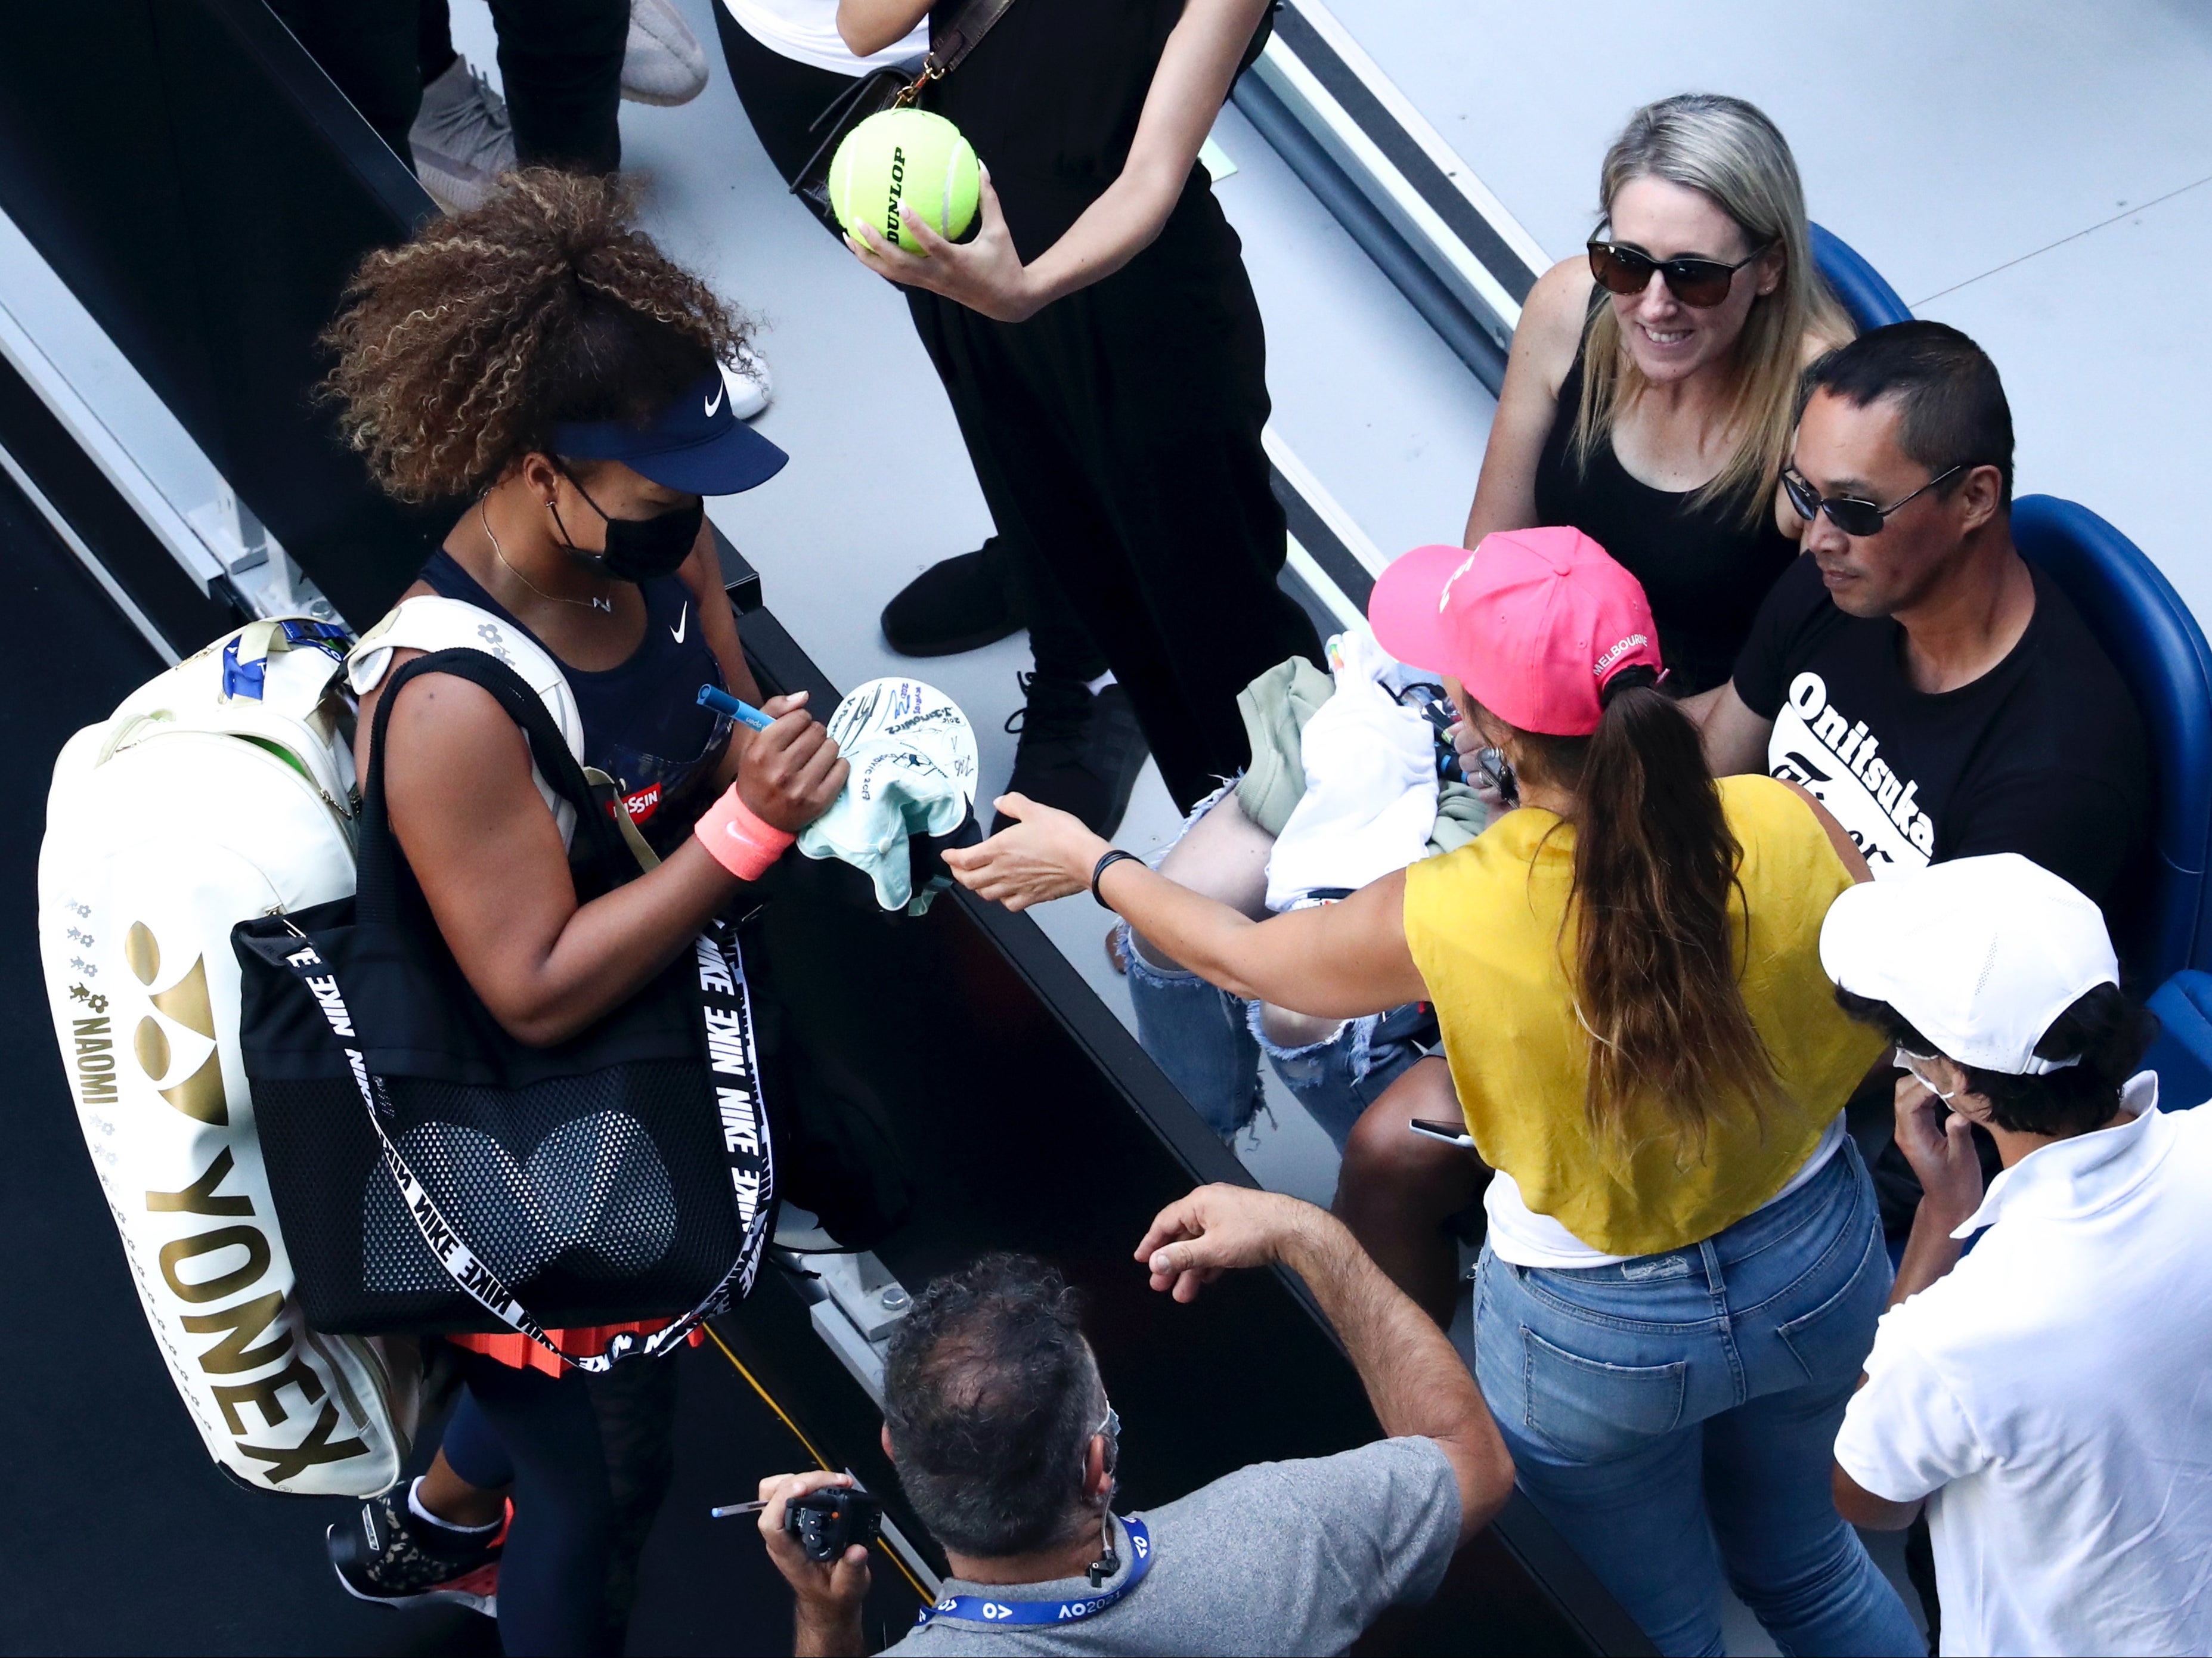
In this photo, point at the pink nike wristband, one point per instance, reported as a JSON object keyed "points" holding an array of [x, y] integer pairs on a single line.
{"points": [[737, 840]]}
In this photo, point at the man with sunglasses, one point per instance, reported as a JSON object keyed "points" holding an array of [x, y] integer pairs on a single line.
{"points": [[997, 1422], [1939, 697]]}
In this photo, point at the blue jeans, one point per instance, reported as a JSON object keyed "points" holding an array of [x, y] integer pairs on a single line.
{"points": [[1675, 1415], [1209, 1043]]}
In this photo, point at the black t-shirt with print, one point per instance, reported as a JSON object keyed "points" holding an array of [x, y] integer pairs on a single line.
{"points": [[2044, 755]]}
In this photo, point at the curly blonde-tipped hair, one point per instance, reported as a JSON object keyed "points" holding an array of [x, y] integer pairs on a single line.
{"points": [[460, 350]]}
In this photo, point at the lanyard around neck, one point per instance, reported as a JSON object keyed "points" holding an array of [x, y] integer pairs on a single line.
{"points": [[982, 1610]]}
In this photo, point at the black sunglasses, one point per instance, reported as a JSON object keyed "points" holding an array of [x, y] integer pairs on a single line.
{"points": [[1700, 282], [1849, 515]]}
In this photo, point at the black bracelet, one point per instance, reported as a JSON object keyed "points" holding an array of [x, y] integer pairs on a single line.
{"points": [[1113, 857]]}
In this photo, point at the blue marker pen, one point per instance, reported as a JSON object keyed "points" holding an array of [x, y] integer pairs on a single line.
{"points": [[721, 702]]}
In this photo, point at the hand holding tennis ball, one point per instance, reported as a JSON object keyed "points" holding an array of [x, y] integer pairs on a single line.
{"points": [[909, 159]]}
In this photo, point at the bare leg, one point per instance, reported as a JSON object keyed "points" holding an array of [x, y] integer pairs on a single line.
{"points": [[1396, 1189], [1224, 855], [453, 1499]]}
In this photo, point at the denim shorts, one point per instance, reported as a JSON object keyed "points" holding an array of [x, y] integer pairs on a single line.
{"points": [[1210, 1043]]}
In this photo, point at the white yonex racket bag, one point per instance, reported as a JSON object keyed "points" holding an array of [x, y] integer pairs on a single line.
{"points": [[221, 790]]}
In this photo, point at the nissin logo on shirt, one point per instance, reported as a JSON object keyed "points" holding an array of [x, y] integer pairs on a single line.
{"points": [[1838, 761]]}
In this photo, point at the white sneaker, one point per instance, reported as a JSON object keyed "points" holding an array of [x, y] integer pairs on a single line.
{"points": [[662, 62], [749, 386], [461, 139]]}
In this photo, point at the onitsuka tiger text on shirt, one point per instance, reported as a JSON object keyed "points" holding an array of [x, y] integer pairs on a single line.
{"points": [[2042, 754], [1838, 761]]}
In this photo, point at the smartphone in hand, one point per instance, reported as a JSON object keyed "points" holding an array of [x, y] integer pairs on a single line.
{"points": [[1451, 1133]]}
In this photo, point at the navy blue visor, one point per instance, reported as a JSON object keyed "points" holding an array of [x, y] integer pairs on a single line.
{"points": [[695, 445]]}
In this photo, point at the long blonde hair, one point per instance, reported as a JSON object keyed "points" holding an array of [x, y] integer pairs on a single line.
{"points": [[1728, 150]]}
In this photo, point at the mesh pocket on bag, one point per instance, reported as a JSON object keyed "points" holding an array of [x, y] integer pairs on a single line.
{"points": [[596, 1198], [595, 1189]]}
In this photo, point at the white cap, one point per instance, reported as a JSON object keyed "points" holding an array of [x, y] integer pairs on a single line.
{"points": [[1979, 955]]}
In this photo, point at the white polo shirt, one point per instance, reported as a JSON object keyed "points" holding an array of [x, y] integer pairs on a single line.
{"points": [[2054, 1394]]}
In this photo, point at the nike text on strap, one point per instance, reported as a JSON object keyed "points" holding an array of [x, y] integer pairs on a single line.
{"points": [[733, 1066], [980, 1609]]}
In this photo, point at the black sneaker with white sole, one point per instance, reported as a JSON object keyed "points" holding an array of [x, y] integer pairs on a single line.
{"points": [[392, 1556], [1078, 751]]}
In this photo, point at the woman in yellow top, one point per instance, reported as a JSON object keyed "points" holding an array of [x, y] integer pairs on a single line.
{"points": [[1683, 1267]]}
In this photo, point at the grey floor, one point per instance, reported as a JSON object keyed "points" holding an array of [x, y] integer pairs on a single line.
{"points": [[2030, 171]]}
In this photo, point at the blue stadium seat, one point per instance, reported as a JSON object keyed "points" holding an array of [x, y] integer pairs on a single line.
{"points": [[2182, 1055], [2160, 653], [1871, 302]]}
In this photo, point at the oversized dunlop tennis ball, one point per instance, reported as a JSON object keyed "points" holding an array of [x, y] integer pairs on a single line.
{"points": [[910, 158]]}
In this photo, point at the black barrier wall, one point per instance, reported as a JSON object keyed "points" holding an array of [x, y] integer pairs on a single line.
{"points": [[205, 190], [204, 194]]}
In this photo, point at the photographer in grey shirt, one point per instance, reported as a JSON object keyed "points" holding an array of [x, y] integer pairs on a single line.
{"points": [[998, 1424]]}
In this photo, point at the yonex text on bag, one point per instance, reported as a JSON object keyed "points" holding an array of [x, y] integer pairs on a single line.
{"points": [[220, 791]]}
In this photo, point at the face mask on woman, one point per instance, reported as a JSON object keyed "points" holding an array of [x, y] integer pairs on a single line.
{"points": [[640, 548]]}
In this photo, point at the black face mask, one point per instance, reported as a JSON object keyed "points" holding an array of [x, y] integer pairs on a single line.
{"points": [[640, 549]]}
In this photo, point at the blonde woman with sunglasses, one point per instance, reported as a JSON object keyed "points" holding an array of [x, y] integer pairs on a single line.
{"points": [[1648, 395]]}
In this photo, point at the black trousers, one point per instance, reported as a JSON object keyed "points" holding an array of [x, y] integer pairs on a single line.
{"points": [[560, 61], [1116, 434], [782, 98], [590, 1458]]}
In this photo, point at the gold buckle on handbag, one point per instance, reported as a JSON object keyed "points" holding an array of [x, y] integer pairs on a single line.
{"points": [[931, 71]]}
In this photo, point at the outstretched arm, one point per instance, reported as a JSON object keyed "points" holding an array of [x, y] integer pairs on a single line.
{"points": [[1332, 961], [987, 274], [1414, 1379]]}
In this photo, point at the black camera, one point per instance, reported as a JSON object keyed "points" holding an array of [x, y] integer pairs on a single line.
{"points": [[829, 1522]]}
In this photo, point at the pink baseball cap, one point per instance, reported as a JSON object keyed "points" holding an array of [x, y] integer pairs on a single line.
{"points": [[1534, 623]]}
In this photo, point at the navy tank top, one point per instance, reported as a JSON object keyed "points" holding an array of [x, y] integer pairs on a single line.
{"points": [[643, 725], [1703, 571]]}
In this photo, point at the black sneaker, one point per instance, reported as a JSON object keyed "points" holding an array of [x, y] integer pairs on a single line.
{"points": [[957, 605], [1078, 752], [391, 1556]]}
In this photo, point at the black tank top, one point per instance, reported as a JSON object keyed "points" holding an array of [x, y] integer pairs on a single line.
{"points": [[1705, 573], [643, 725]]}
